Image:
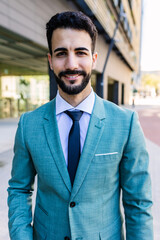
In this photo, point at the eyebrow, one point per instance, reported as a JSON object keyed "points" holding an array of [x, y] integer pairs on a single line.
{"points": [[82, 48], [76, 49], [60, 49]]}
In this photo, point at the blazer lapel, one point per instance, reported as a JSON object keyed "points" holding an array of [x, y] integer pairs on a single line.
{"points": [[95, 130], [53, 139]]}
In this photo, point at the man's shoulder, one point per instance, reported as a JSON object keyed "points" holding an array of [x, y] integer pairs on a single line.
{"points": [[39, 112], [111, 108]]}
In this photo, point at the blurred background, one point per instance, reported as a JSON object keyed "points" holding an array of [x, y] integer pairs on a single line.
{"points": [[128, 33], [127, 71]]}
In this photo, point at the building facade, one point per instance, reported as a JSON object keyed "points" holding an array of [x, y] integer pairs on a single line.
{"points": [[23, 44]]}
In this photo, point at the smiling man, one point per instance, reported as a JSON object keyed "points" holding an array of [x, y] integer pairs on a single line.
{"points": [[72, 61], [84, 150]]}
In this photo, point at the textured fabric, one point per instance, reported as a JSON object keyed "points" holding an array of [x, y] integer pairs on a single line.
{"points": [[114, 158], [74, 143], [65, 122]]}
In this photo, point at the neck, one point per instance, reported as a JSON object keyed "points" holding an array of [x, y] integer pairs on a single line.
{"points": [[76, 99]]}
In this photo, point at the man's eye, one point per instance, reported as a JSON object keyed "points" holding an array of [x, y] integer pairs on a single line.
{"points": [[81, 53], [61, 54]]}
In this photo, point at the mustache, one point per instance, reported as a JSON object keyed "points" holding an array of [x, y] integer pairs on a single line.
{"points": [[80, 72]]}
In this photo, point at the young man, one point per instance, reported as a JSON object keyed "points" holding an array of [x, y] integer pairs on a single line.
{"points": [[81, 164]]}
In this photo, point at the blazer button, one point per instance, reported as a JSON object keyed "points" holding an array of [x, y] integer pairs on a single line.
{"points": [[72, 204], [66, 238]]}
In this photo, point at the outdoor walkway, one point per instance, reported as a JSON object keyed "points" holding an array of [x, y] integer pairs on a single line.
{"points": [[150, 121]]}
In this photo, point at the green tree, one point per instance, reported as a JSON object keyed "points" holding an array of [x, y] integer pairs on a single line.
{"points": [[151, 80]]}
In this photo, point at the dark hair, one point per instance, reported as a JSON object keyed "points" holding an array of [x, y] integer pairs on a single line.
{"points": [[76, 20]]}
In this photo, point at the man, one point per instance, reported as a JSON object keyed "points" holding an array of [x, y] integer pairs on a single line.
{"points": [[78, 200]]}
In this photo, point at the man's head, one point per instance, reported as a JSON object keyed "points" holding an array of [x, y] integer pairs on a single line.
{"points": [[71, 38], [74, 20]]}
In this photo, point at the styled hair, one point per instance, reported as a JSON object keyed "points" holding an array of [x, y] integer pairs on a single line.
{"points": [[75, 20]]}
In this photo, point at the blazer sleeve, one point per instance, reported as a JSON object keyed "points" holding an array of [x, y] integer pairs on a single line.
{"points": [[20, 189], [136, 185]]}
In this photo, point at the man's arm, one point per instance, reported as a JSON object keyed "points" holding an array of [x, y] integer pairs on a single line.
{"points": [[136, 185], [20, 189]]}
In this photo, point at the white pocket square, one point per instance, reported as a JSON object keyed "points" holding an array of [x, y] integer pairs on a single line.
{"points": [[103, 154]]}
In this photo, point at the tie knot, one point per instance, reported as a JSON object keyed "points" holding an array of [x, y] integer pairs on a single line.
{"points": [[74, 115]]}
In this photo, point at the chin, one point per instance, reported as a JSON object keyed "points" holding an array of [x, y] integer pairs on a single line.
{"points": [[73, 87]]}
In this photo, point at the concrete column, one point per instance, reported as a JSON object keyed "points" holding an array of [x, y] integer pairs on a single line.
{"points": [[99, 85]]}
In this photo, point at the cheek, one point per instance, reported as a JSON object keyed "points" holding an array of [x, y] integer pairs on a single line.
{"points": [[57, 66], [87, 66]]}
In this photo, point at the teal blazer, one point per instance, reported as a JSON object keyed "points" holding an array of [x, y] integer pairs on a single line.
{"points": [[114, 158]]}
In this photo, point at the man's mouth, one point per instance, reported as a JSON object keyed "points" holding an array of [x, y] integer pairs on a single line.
{"points": [[71, 75]]}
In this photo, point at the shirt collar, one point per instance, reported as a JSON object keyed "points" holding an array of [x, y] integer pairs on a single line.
{"points": [[86, 105]]}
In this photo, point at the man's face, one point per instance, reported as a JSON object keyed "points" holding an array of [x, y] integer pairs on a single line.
{"points": [[72, 60]]}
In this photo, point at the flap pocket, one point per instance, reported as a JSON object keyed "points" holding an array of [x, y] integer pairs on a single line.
{"points": [[113, 232], [39, 231], [42, 209]]}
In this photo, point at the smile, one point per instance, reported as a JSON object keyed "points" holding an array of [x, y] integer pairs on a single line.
{"points": [[72, 76]]}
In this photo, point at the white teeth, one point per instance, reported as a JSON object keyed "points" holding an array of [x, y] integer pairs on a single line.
{"points": [[72, 76]]}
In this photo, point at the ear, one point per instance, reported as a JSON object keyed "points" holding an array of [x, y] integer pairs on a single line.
{"points": [[94, 59], [50, 60]]}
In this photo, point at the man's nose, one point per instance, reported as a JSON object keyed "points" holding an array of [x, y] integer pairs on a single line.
{"points": [[71, 62]]}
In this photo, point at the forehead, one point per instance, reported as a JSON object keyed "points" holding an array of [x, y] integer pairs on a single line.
{"points": [[70, 39]]}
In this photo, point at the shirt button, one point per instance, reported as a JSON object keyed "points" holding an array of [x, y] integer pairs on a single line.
{"points": [[66, 238], [72, 204]]}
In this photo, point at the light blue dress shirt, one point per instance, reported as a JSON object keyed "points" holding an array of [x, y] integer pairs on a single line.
{"points": [[65, 122]]}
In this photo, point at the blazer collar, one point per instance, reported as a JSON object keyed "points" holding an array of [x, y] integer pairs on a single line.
{"points": [[98, 109], [53, 139]]}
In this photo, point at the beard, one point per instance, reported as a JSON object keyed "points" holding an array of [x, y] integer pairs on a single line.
{"points": [[72, 90]]}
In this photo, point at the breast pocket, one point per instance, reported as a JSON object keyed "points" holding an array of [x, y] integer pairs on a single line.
{"points": [[104, 172], [107, 158]]}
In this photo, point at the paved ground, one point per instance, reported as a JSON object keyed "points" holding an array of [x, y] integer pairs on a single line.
{"points": [[5, 162], [150, 121], [7, 132]]}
